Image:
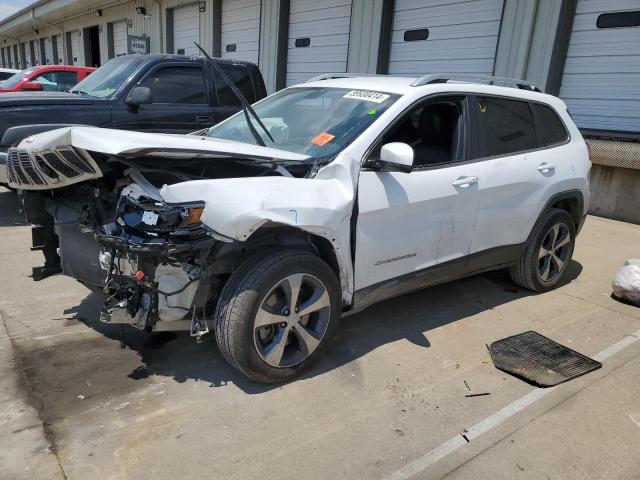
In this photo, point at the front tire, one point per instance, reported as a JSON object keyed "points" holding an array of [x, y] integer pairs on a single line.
{"points": [[276, 315], [547, 254]]}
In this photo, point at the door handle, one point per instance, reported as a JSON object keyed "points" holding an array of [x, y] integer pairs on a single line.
{"points": [[546, 167], [464, 182], [203, 119]]}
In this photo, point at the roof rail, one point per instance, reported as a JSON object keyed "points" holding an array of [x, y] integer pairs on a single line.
{"points": [[470, 77], [329, 76]]}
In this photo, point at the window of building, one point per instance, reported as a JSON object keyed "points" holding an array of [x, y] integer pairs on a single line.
{"points": [[177, 85], [619, 19], [506, 126]]}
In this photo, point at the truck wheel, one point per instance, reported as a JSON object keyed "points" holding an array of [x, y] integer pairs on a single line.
{"points": [[276, 315], [547, 253]]}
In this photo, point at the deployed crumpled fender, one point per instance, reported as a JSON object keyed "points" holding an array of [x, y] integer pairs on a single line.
{"points": [[238, 207]]}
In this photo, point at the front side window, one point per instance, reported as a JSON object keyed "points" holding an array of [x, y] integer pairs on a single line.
{"points": [[241, 77], [56, 81], [549, 127], [318, 122], [107, 80], [177, 85], [506, 126], [434, 130]]}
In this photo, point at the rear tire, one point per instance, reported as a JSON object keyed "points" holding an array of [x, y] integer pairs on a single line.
{"points": [[547, 254], [276, 315]]}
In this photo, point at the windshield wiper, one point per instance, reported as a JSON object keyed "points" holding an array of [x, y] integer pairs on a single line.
{"points": [[79, 92], [246, 107]]}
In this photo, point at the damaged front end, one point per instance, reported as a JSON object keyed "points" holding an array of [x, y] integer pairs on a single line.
{"points": [[100, 218]]}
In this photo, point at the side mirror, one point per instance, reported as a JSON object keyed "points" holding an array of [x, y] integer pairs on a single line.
{"points": [[396, 157], [32, 87], [139, 96]]}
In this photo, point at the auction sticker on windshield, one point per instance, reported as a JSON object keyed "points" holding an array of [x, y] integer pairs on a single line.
{"points": [[366, 95], [322, 138]]}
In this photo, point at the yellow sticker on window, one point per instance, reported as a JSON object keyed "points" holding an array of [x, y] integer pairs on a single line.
{"points": [[322, 138]]}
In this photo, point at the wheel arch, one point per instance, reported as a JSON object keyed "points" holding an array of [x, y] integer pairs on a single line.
{"points": [[571, 201]]}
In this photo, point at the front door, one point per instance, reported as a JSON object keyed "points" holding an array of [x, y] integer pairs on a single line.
{"points": [[415, 228], [181, 102]]}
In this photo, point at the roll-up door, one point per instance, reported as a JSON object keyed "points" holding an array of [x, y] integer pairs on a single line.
{"points": [[318, 38], [601, 80], [48, 51], [431, 36], [75, 47], [241, 29], [186, 30], [59, 49], [120, 38]]}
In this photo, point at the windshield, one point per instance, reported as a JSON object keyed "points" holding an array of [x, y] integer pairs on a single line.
{"points": [[105, 81], [15, 79], [319, 122]]}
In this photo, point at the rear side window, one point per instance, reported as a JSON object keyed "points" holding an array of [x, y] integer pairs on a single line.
{"points": [[177, 85], [241, 77], [506, 126], [549, 127]]}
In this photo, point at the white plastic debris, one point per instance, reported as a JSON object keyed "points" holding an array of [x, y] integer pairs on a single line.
{"points": [[626, 281]]}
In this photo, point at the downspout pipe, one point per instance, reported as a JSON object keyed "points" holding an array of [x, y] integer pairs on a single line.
{"points": [[160, 25], [62, 33]]}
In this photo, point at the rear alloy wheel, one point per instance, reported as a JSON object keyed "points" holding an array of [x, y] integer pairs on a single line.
{"points": [[276, 314], [547, 254]]}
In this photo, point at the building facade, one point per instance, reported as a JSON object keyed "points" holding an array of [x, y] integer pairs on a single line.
{"points": [[585, 51]]}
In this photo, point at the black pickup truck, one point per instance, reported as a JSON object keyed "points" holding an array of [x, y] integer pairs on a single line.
{"points": [[147, 93], [151, 93]]}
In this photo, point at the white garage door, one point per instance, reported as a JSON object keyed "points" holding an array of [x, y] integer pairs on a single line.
{"points": [[318, 38], [76, 36], [186, 30], [120, 38], [431, 36], [48, 51], [601, 81], [241, 29]]}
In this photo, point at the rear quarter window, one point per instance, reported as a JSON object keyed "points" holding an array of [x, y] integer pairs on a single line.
{"points": [[549, 128], [241, 77]]}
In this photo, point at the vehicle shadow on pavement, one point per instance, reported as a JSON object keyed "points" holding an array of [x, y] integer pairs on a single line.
{"points": [[10, 216], [409, 317]]}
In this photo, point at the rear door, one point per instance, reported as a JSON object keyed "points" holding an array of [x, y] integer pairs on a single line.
{"points": [[415, 228], [519, 171], [181, 101]]}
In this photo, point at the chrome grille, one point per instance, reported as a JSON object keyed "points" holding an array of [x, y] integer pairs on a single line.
{"points": [[44, 167], [14, 160], [62, 167], [27, 168], [76, 161]]}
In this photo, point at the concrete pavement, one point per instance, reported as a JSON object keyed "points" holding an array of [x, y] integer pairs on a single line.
{"points": [[390, 390]]}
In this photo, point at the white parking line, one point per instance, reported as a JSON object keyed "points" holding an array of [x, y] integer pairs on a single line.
{"points": [[496, 419]]}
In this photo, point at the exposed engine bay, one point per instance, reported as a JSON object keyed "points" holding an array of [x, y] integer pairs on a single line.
{"points": [[109, 227]]}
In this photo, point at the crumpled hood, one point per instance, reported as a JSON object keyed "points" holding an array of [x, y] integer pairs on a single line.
{"points": [[127, 143]]}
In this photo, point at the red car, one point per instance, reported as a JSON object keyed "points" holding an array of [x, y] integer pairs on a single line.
{"points": [[45, 78]]}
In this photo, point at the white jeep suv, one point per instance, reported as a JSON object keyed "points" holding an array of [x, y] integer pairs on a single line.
{"points": [[338, 193]]}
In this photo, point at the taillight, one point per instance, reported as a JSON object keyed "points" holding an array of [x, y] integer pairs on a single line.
{"points": [[589, 151]]}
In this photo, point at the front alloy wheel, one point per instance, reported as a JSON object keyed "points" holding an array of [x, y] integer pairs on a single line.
{"points": [[276, 314], [292, 320]]}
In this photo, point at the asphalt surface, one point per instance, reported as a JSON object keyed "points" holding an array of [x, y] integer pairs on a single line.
{"points": [[387, 399]]}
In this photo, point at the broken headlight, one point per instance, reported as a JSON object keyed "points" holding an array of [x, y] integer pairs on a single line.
{"points": [[158, 217]]}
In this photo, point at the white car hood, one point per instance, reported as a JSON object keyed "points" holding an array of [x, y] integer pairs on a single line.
{"points": [[127, 143]]}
